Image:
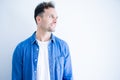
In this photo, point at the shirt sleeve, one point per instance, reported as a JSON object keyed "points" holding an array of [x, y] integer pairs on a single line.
{"points": [[17, 64], [67, 65]]}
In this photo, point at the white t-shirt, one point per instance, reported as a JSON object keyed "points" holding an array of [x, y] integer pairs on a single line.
{"points": [[43, 72]]}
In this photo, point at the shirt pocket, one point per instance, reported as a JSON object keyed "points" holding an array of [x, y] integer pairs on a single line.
{"points": [[59, 63]]}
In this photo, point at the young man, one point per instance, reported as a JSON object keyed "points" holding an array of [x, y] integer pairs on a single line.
{"points": [[42, 56]]}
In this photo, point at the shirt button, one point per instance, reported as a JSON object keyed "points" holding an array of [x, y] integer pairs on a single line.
{"points": [[35, 60], [35, 71], [37, 49]]}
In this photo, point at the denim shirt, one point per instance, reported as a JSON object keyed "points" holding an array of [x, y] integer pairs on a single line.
{"points": [[25, 58]]}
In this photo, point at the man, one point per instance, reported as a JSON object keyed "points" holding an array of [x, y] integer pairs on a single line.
{"points": [[42, 56]]}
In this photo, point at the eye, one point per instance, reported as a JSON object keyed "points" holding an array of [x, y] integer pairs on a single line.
{"points": [[50, 16], [53, 17]]}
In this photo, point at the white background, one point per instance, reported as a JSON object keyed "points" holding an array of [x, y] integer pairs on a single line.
{"points": [[90, 27]]}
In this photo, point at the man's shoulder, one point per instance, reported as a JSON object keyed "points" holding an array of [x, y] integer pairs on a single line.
{"points": [[62, 46], [57, 39], [23, 43], [60, 41], [26, 41]]}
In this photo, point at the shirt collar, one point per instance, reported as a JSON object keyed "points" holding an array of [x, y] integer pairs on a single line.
{"points": [[33, 38]]}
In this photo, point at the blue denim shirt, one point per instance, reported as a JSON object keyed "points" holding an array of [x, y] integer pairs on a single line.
{"points": [[25, 58]]}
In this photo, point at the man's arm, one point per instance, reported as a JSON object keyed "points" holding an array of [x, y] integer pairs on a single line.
{"points": [[67, 66], [17, 64]]}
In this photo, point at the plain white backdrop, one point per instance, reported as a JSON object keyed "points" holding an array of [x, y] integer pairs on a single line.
{"points": [[90, 27]]}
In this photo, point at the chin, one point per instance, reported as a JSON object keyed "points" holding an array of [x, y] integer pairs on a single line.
{"points": [[52, 30]]}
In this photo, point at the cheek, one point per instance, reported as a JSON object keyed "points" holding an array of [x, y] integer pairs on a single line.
{"points": [[50, 20]]}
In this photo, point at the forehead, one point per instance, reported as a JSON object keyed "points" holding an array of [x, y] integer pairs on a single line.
{"points": [[50, 11]]}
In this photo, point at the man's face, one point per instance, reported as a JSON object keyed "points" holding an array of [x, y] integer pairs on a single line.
{"points": [[48, 20]]}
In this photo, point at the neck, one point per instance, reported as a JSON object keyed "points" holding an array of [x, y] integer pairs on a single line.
{"points": [[43, 36]]}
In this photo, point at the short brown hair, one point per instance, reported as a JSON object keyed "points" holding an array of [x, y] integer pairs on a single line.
{"points": [[40, 8]]}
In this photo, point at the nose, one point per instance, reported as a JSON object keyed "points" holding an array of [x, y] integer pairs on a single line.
{"points": [[55, 20]]}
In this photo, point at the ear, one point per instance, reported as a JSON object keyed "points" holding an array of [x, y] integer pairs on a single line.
{"points": [[38, 19]]}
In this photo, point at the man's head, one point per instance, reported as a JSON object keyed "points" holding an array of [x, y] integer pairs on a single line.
{"points": [[45, 16], [40, 9]]}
